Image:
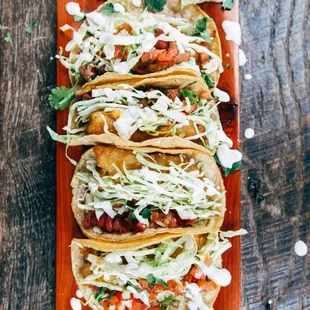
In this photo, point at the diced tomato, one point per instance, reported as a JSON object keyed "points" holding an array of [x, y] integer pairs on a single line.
{"points": [[193, 108], [197, 273], [117, 224], [159, 287], [158, 32], [118, 52], [106, 305], [181, 58], [204, 58], [206, 285], [155, 216], [114, 300], [163, 57], [109, 224], [144, 284], [162, 45], [204, 95], [141, 227], [86, 221], [124, 26], [175, 287], [173, 93], [138, 305], [119, 296], [102, 219], [153, 295], [155, 308]]}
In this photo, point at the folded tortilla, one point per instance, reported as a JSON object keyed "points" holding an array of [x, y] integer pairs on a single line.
{"points": [[133, 193], [158, 271], [112, 112], [94, 51]]}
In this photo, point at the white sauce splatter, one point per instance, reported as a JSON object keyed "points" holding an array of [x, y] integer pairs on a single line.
{"points": [[228, 157], [136, 3], [232, 31], [113, 258], [300, 248], [242, 58], [227, 55], [119, 8], [74, 9], [223, 96], [75, 304], [79, 294], [248, 76], [249, 133]]}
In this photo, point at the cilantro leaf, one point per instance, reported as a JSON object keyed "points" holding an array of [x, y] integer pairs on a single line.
{"points": [[200, 28], [201, 25], [206, 36], [207, 78], [155, 5], [146, 213], [8, 39], [152, 280], [61, 97], [190, 95], [79, 18], [168, 300], [228, 4], [31, 26], [227, 171], [99, 295], [163, 308], [108, 9]]}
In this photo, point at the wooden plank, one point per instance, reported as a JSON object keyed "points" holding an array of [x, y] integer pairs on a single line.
{"points": [[66, 225]]}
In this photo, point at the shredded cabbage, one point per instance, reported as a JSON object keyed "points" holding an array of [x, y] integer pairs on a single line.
{"points": [[152, 186]]}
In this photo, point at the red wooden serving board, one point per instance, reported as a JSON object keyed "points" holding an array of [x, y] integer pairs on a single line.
{"points": [[229, 297]]}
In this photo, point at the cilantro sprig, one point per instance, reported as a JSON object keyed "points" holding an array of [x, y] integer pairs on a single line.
{"points": [[193, 98], [80, 18], [99, 296], [60, 97], [155, 5], [200, 28], [152, 280], [207, 78]]}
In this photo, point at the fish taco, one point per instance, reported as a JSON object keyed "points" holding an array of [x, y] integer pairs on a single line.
{"points": [[183, 272], [162, 111], [122, 38], [121, 194]]}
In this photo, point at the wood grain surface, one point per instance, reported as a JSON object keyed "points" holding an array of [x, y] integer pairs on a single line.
{"points": [[275, 180]]}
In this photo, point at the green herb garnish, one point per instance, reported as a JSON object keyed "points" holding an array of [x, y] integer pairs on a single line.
{"points": [[155, 5], [31, 26], [61, 97], [227, 171], [8, 39], [207, 78], [152, 280], [108, 9], [146, 213], [228, 4]]}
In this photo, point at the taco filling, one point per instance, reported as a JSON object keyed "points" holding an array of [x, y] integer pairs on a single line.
{"points": [[140, 115], [122, 191], [179, 273], [141, 42]]}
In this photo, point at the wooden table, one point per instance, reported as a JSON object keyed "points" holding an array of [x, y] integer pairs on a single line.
{"points": [[275, 179]]}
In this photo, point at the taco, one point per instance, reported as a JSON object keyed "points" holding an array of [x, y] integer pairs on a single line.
{"points": [[161, 273], [121, 194], [122, 38], [162, 111]]}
